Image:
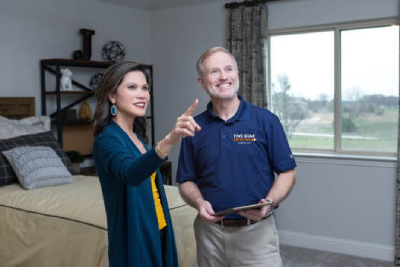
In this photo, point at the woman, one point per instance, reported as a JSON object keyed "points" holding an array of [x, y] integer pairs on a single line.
{"points": [[140, 231]]}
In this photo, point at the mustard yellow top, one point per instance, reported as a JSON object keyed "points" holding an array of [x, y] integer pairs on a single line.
{"points": [[160, 212]]}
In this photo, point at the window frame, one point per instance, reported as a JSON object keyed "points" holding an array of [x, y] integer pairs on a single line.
{"points": [[336, 28]]}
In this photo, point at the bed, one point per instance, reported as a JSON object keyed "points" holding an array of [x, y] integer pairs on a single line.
{"points": [[66, 225]]}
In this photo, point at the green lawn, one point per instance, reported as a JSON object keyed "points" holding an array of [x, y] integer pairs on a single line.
{"points": [[311, 142], [374, 133]]}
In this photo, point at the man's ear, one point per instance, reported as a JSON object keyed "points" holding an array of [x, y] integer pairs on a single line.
{"points": [[200, 80]]}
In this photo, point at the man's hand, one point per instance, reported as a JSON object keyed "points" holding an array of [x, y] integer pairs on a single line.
{"points": [[207, 213], [256, 214], [190, 192]]}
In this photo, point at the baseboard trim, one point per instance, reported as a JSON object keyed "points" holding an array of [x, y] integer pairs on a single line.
{"points": [[344, 246]]}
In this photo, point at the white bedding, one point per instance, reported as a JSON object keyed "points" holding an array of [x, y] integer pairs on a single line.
{"points": [[31, 125]]}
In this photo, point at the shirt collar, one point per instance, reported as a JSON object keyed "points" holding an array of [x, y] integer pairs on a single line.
{"points": [[244, 112]]}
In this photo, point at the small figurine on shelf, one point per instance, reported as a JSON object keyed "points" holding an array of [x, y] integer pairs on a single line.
{"points": [[66, 82], [85, 112], [95, 80], [76, 159]]}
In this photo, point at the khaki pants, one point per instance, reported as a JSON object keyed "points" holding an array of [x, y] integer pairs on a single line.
{"points": [[252, 245]]}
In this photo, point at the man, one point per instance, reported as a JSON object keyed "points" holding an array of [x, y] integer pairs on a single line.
{"points": [[232, 162]]}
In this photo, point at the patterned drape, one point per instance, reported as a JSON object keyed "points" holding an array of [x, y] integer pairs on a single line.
{"points": [[247, 41], [397, 248]]}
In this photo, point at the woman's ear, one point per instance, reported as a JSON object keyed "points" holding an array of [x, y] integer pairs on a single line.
{"points": [[111, 97]]}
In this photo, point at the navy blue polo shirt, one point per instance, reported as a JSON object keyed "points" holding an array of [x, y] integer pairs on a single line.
{"points": [[234, 162]]}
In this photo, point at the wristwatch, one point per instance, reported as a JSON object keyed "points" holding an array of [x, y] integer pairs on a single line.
{"points": [[271, 209]]}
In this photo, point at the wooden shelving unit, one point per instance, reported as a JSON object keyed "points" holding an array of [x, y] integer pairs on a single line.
{"points": [[80, 127]]}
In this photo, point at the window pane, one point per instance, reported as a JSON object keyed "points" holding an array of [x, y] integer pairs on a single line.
{"points": [[302, 87], [370, 89]]}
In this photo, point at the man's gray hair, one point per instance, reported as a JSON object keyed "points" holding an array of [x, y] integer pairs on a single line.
{"points": [[209, 52]]}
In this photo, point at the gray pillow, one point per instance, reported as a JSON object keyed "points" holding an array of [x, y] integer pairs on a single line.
{"points": [[37, 166]]}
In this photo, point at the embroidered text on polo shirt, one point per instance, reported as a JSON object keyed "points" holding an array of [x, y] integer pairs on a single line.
{"points": [[244, 138]]}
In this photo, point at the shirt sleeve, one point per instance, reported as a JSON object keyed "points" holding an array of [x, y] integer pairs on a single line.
{"points": [[186, 165], [112, 155], [279, 152]]}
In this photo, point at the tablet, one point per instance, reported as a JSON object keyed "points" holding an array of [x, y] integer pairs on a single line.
{"points": [[241, 208]]}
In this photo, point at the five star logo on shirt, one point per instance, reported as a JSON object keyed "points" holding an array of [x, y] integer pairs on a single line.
{"points": [[244, 138]]}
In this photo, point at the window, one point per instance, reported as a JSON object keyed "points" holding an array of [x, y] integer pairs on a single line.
{"points": [[337, 89], [370, 89], [302, 87]]}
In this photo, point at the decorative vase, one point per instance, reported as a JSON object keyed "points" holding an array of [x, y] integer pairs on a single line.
{"points": [[85, 113]]}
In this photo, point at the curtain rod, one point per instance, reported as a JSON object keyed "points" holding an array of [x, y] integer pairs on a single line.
{"points": [[247, 3]]}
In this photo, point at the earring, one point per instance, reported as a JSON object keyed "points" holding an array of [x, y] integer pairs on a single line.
{"points": [[113, 110]]}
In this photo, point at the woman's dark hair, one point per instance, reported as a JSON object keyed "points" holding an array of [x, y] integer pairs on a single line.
{"points": [[112, 78]]}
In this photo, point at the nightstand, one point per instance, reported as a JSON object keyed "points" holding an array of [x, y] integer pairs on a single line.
{"points": [[90, 171]]}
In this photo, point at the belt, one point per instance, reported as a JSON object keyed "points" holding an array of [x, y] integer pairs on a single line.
{"points": [[239, 223], [235, 223]]}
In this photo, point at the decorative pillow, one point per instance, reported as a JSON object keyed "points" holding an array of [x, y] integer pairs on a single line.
{"points": [[13, 128], [7, 175], [37, 166]]}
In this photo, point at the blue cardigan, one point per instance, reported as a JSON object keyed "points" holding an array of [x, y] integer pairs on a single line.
{"points": [[124, 173]]}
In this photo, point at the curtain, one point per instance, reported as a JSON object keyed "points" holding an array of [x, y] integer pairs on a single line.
{"points": [[248, 43], [397, 247]]}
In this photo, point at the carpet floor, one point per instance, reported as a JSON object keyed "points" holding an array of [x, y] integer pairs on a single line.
{"points": [[303, 257]]}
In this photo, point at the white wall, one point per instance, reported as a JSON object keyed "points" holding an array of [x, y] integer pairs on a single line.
{"points": [[42, 29], [345, 206], [337, 205], [180, 36]]}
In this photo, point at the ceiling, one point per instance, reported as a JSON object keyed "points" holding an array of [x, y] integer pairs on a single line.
{"points": [[160, 4]]}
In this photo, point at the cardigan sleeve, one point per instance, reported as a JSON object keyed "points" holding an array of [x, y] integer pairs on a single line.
{"points": [[112, 154]]}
